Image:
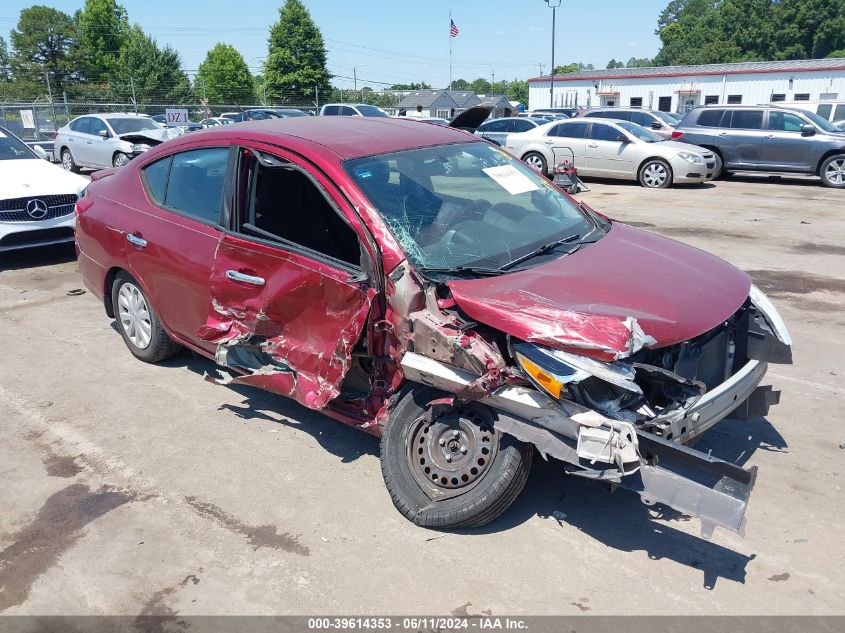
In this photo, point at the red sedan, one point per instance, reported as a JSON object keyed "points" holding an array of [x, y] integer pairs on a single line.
{"points": [[423, 285]]}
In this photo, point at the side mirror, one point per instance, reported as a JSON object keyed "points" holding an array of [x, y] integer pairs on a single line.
{"points": [[623, 139], [808, 130], [104, 133], [39, 151]]}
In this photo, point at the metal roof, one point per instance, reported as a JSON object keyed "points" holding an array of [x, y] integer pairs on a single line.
{"points": [[798, 65], [423, 98]]}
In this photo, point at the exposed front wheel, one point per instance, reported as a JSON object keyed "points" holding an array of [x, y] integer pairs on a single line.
{"points": [[67, 161], [536, 161], [833, 172], [120, 159], [138, 323], [445, 465], [655, 174]]}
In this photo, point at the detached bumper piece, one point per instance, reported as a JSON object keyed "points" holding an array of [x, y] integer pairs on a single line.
{"points": [[694, 483]]}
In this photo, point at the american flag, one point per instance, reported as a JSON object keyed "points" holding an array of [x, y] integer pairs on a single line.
{"points": [[454, 29]]}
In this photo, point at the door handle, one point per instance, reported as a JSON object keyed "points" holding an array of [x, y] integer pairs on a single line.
{"points": [[770, 136], [722, 134], [89, 142], [234, 275], [593, 145], [137, 241], [549, 142]]}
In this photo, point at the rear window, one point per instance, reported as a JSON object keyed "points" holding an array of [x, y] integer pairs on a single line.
{"points": [[154, 177], [710, 118], [82, 124], [747, 120]]}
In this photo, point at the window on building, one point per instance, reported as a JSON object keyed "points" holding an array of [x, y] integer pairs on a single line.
{"points": [[442, 114], [636, 102], [802, 96], [734, 99], [711, 99], [664, 104], [778, 97], [747, 120], [828, 96]]}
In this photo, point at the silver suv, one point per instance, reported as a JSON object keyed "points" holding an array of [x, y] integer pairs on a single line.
{"points": [[661, 123], [768, 139]]}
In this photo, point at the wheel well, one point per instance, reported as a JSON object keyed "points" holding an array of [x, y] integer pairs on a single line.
{"points": [[827, 155], [107, 287], [715, 150], [650, 158]]}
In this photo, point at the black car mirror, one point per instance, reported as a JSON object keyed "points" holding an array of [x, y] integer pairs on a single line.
{"points": [[807, 130], [623, 139]]}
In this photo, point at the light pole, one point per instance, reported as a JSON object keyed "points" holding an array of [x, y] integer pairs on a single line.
{"points": [[355, 76], [554, 4]]}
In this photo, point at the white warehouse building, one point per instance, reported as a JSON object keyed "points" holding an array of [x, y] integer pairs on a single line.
{"points": [[680, 88]]}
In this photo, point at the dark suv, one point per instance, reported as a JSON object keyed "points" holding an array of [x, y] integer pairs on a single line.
{"points": [[768, 138]]}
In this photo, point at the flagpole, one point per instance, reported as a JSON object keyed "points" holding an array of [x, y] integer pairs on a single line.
{"points": [[450, 50]]}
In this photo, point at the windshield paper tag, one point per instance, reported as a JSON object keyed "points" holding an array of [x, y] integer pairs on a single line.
{"points": [[511, 179]]}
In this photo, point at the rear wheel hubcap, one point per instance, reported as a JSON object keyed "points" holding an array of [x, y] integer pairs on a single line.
{"points": [[134, 315], [835, 172]]}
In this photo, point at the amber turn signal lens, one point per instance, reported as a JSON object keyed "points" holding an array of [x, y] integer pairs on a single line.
{"points": [[543, 378]]}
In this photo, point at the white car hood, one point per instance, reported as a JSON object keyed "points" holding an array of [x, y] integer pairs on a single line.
{"points": [[23, 178], [675, 146]]}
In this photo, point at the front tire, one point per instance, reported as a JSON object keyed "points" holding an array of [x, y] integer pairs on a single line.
{"points": [[832, 172], [119, 159], [536, 161], [67, 161], [138, 323], [453, 468], [655, 174]]}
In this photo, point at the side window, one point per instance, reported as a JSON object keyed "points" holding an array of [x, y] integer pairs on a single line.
{"points": [[710, 118], [785, 122], [600, 113], [497, 126], [824, 110], [82, 125], [154, 177], [747, 120], [347, 111], [642, 118], [839, 113], [97, 126], [604, 133], [569, 130], [195, 186], [331, 111], [285, 205], [521, 125]]}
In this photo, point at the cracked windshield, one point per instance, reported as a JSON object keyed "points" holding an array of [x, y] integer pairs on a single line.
{"points": [[467, 205]]}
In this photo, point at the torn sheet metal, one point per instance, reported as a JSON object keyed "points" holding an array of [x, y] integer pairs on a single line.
{"points": [[294, 335]]}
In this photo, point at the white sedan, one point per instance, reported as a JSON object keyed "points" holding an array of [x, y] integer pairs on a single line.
{"points": [[37, 198], [612, 149]]}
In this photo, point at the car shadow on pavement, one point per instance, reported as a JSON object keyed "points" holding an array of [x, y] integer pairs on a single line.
{"points": [[588, 180], [620, 521], [37, 257], [780, 179], [736, 441], [337, 438]]}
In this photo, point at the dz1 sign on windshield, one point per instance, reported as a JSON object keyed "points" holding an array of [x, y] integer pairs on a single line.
{"points": [[176, 116]]}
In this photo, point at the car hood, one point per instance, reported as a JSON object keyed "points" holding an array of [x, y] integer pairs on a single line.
{"points": [[674, 146], [36, 177], [608, 300], [143, 136]]}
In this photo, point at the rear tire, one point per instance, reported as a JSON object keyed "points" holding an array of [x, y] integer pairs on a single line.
{"points": [[536, 161], [832, 172], [469, 489], [655, 174], [138, 323], [67, 161]]}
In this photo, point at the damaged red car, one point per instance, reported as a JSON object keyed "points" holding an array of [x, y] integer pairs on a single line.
{"points": [[423, 285]]}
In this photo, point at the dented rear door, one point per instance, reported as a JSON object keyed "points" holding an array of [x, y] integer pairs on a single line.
{"points": [[284, 318]]}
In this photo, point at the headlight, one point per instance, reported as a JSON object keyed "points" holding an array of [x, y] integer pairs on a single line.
{"points": [[141, 147], [552, 369], [691, 158]]}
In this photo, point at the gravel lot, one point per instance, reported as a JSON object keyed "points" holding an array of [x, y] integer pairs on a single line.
{"points": [[134, 489]]}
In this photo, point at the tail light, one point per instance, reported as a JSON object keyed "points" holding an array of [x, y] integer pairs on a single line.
{"points": [[84, 203], [677, 134]]}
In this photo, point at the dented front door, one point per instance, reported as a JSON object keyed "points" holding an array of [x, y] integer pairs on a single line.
{"points": [[287, 323]]}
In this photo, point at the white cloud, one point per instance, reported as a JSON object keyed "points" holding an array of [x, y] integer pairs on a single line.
{"points": [[536, 28]]}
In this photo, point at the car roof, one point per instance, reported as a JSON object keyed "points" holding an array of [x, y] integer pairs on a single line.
{"points": [[346, 137], [115, 115]]}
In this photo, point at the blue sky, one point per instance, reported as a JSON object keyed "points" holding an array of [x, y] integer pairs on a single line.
{"points": [[400, 42]]}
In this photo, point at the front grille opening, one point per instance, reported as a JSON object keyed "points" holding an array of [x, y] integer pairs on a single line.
{"points": [[37, 236]]}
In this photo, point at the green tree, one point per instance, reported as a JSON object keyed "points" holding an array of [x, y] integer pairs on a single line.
{"points": [[518, 91], [5, 73], [572, 68], [45, 42], [460, 84], [839, 53], [223, 77], [412, 86], [638, 62], [155, 73], [103, 30], [296, 62], [615, 64], [480, 86]]}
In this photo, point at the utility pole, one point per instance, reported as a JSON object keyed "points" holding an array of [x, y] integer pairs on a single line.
{"points": [[134, 101], [50, 95], [540, 66], [553, 4]]}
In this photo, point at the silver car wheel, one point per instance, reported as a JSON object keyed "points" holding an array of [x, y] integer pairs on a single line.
{"points": [[535, 162], [134, 315], [655, 175], [67, 160], [120, 160], [835, 172]]}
